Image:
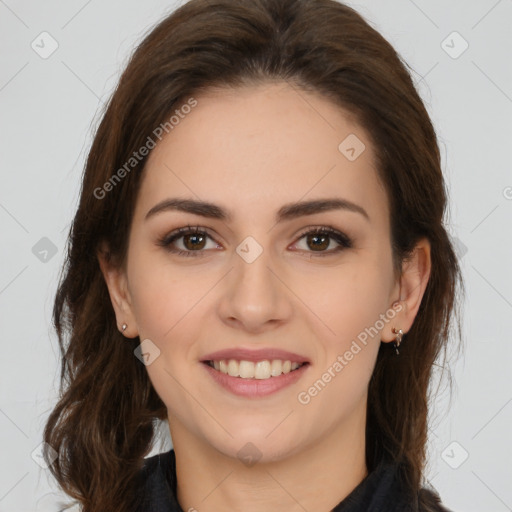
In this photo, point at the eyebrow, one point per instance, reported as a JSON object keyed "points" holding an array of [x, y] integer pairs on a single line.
{"points": [[285, 213]]}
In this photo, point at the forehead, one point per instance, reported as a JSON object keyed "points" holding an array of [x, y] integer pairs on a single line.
{"points": [[252, 149]]}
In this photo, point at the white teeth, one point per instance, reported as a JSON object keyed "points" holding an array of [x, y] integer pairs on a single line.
{"points": [[262, 370], [246, 369], [276, 368], [259, 370], [233, 368]]}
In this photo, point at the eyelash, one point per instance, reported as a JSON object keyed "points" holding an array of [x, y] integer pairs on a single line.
{"points": [[342, 239]]}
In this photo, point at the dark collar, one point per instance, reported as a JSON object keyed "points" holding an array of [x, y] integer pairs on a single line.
{"points": [[380, 491]]}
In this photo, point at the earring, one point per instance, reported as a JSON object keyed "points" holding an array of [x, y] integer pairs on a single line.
{"points": [[124, 326], [398, 339]]}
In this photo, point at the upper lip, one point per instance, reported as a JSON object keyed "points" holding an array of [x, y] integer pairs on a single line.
{"points": [[254, 355]]}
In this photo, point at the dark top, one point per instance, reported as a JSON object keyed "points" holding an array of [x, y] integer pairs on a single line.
{"points": [[380, 491]]}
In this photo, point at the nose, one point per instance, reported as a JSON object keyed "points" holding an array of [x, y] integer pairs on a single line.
{"points": [[255, 296]]}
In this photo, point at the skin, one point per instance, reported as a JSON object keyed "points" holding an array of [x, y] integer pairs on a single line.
{"points": [[250, 151]]}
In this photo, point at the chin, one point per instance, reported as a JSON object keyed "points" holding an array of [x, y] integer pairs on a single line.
{"points": [[257, 447]]}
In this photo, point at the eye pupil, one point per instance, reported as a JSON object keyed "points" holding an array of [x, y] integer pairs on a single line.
{"points": [[320, 245], [187, 238]]}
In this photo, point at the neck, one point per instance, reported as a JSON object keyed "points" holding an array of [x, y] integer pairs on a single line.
{"points": [[316, 477]]}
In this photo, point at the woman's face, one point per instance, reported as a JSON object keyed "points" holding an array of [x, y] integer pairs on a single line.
{"points": [[252, 280]]}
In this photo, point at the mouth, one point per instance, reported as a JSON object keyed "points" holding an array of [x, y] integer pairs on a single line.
{"points": [[255, 370], [254, 379]]}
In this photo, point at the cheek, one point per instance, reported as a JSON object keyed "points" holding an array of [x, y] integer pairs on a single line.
{"points": [[167, 303], [351, 307], [339, 383], [344, 301], [162, 295], [166, 311]]}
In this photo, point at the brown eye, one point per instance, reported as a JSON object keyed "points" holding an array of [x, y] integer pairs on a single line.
{"points": [[317, 240], [193, 240]]}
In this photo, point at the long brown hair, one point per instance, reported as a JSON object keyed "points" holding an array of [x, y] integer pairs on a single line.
{"points": [[103, 425]]}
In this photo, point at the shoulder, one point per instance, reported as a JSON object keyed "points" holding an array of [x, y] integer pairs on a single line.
{"points": [[400, 497], [158, 472], [429, 501], [157, 483], [157, 462], [155, 489], [424, 499]]}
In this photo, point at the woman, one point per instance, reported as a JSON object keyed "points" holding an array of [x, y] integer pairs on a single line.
{"points": [[258, 257]]}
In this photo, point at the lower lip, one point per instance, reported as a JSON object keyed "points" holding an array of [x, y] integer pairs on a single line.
{"points": [[255, 388]]}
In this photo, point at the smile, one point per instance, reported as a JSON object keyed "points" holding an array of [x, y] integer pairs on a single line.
{"points": [[254, 370], [254, 379]]}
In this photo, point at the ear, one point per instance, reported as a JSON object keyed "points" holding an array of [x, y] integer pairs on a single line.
{"points": [[117, 284], [410, 290]]}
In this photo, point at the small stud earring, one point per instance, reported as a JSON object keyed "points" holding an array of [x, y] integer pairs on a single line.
{"points": [[124, 327], [398, 339]]}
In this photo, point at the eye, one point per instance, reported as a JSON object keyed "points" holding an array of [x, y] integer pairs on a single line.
{"points": [[194, 241], [320, 238]]}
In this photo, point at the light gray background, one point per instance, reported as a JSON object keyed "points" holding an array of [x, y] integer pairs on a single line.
{"points": [[49, 109]]}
